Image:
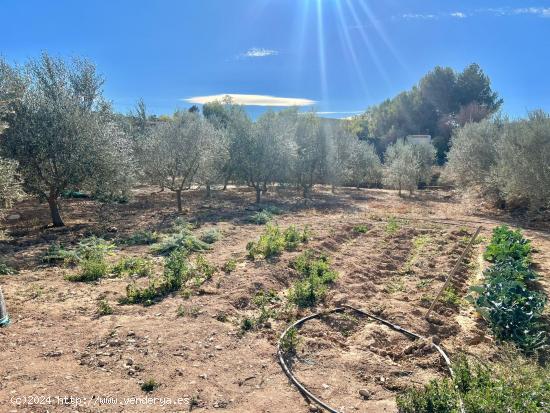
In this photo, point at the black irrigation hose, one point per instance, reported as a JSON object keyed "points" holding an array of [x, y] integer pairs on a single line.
{"points": [[308, 394]]}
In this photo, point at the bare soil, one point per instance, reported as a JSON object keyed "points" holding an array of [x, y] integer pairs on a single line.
{"points": [[58, 346]]}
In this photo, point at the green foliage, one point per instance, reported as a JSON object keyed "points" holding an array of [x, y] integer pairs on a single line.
{"points": [[505, 160], [230, 265], [91, 269], [57, 254], [176, 273], [261, 217], [210, 236], [515, 385], [247, 324], [182, 240], [441, 99], [57, 109], [132, 266], [506, 300], [289, 342], [274, 241], [315, 276], [513, 311], [144, 237], [392, 226], [360, 229], [5, 269], [294, 238], [103, 308], [507, 244], [149, 385], [10, 184], [436, 397]]}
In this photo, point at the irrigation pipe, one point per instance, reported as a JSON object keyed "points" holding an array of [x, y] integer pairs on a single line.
{"points": [[307, 393]]}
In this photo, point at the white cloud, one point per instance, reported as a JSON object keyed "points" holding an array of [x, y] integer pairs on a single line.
{"points": [[537, 11], [252, 100], [259, 52], [410, 16], [458, 15]]}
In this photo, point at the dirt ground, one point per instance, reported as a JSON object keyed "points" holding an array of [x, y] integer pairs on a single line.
{"points": [[57, 346]]}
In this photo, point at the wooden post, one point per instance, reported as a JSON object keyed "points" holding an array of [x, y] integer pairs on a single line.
{"points": [[454, 270], [4, 317]]}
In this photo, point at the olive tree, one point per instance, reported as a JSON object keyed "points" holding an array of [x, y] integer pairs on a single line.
{"points": [[233, 121], [266, 153], [473, 154], [364, 164], [176, 150], [341, 145], [311, 154], [10, 186], [58, 127], [406, 165]]}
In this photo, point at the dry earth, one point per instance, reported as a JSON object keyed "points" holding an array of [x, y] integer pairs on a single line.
{"points": [[58, 346]]}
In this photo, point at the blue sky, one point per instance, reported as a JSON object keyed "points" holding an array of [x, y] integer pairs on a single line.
{"points": [[342, 54]]}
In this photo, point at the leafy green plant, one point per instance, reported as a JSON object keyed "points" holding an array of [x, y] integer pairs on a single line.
{"points": [[103, 308], [261, 217], [506, 300], [89, 248], [230, 265], [392, 226], [58, 254], [508, 245], [183, 240], [515, 385], [274, 241], [132, 266], [210, 236], [451, 297], [315, 276], [144, 237], [91, 269], [512, 311], [149, 385], [176, 273], [360, 229], [5, 269], [289, 342]]}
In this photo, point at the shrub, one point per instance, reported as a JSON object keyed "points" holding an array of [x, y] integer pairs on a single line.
{"points": [[103, 308], [183, 240], [315, 275], [392, 226], [516, 385], [144, 237], [210, 236], [261, 217], [360, 229], [57, 254], [91, 269], [201, 270], [176, 273], [149, 385], [5, 269], [230, 265], [290, 341], [131, 266], [94, 247], [293, 237], [273, 241]]}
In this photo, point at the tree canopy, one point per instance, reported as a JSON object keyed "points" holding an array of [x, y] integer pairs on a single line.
{"points": [[441, 101]]}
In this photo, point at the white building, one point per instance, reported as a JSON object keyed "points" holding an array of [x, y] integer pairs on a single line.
{"points": [[419, 139]]}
